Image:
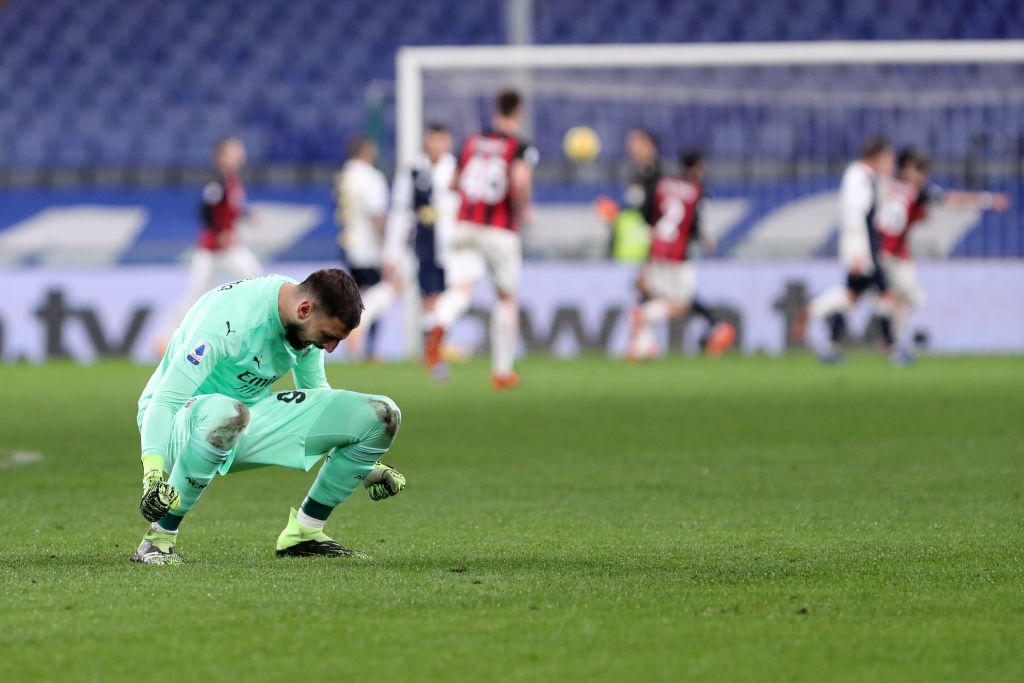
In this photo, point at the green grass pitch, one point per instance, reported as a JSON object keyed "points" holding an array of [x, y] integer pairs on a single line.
{"points": [[693, 519]]}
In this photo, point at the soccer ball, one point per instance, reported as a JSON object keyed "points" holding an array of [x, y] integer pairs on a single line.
{"points": [[581, 144]]}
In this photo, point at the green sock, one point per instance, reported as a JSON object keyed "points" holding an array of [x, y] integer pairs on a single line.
{"points": [[355, 431], [341, 473], [316, 510], [170, 522], [194, 469]]}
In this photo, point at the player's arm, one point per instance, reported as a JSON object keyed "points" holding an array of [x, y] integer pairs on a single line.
{"points": [[309, 372], [649, 205], [649, 188], [855, 203], [400, 218], [212, 195], [178, 384], [374, 197], [521, 180], [958, 199], [460, 163]]}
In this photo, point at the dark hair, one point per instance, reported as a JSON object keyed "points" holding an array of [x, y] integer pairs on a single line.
{"points": [[651, 136], [873, 146], [689, 158], [508, 102], [436, 127], [357, 144], [910, 157], [336, 294]]}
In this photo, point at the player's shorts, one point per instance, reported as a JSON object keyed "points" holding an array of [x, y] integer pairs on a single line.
{"points": [[475, 247], [279, 425], [858, 283], [672, 280], [429, 272], [365, 277], [901, 276]]}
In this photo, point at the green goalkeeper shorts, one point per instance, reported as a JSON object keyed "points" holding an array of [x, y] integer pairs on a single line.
{"points": [[280, 426]]}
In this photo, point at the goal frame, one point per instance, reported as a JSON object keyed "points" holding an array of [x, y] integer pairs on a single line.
{"points": [[411, 62]]}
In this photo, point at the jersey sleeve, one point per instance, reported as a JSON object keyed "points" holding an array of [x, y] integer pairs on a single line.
{"points": [[527, 152], [932, 194], [649, 208], [309, 372], [212, 195], [181, 378]]}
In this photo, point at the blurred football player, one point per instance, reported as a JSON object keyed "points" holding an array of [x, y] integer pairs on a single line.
{"points": [[219, 251], [209, 408], [423, 209], [361, 193], [493, 177], [859, 243], [905, 206], [646, 170], [669, 279]]}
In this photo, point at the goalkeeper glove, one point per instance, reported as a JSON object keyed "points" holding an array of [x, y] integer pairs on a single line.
{"points": [[158, 497], [383, 482]]}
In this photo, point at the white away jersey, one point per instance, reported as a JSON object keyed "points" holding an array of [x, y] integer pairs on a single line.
{"points": [[361, 192]]}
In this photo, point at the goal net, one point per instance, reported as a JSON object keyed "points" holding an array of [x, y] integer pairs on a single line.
{"points": [[777, 122]]}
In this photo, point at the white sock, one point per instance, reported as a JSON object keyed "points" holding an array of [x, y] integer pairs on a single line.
{"points": [[830, 301], [450, 306], [644, 343], [504, 336], [376, 300], [307, 521], [900, 321], [160, 530], [654, 311]]}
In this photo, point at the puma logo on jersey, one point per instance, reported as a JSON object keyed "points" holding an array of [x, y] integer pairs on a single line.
{"points": [[228, 323], [256, 359]]}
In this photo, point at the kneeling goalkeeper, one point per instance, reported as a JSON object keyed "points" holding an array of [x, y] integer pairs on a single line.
{"points": [[209, 408]]}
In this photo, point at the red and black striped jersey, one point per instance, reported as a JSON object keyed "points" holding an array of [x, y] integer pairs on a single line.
{"points": [[485, 178], [904, 206], [222, 204], [675, 208]]}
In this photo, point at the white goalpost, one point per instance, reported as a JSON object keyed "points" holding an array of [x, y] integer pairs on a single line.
{"points": [[777, 121], [413, 62]]}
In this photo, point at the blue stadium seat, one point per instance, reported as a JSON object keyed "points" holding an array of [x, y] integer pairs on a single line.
{"points": [[294, 75]]}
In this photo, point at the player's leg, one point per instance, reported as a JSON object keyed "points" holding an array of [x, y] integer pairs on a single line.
{"points": [[832, 306], [360, 344], [240, 262], [205, 432], [502, 252], [201, 271], [670, 287], [720, 335], [464, 266], [907, 295], [884, 306], [296, 429]]}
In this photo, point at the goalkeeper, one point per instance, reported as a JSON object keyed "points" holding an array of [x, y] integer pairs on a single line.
{"points": [[209, 408]]}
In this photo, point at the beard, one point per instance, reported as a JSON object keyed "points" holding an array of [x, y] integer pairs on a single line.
{"points": [[292, 335]]}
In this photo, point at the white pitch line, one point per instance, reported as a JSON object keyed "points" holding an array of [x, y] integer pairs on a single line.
{"points": [[10, 459]]}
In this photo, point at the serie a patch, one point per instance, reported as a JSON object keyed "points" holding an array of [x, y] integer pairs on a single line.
{"points": [[196, 357]]}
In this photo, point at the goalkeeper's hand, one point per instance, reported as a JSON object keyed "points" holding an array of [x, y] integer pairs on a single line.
{"points": [[384, 481], [158, 497]]}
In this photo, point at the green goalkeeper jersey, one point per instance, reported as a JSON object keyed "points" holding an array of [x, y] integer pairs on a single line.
{"points": [[231, 342]]}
